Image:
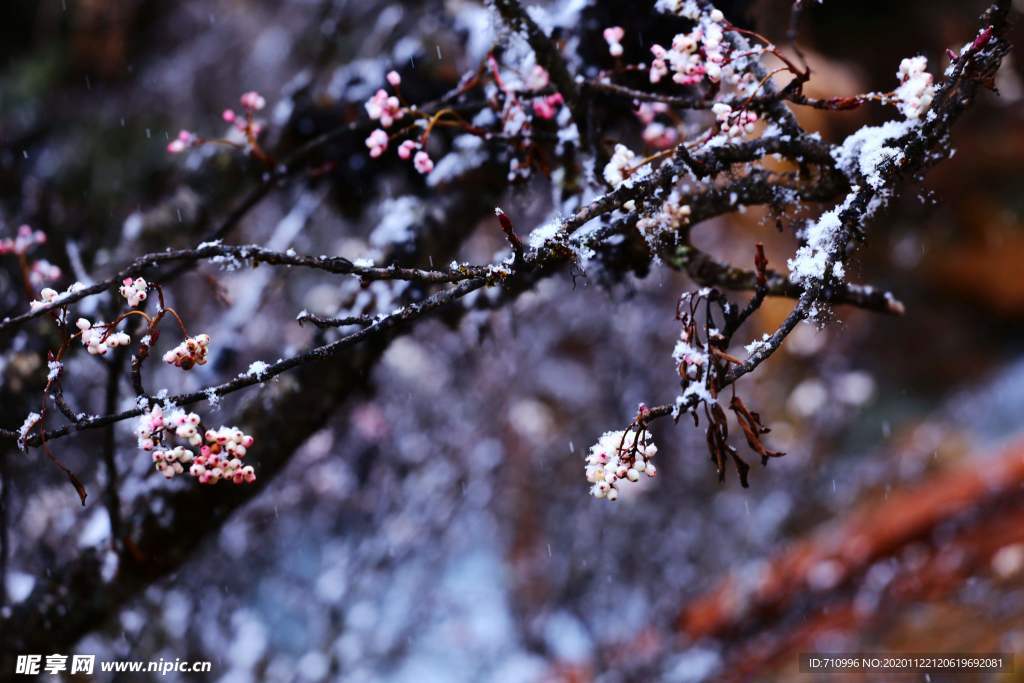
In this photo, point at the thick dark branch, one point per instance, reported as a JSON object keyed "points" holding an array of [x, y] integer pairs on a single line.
{"points": [[921, 146], [240, 254], [706, 271]]}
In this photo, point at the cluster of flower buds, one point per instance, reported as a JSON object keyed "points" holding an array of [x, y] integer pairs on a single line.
{"points": [[387, 109], [618, 456], [544, 106], [221, 457], [23, 241], [43, 271], [252, 102], [245, 123], [734, 125], [916, 90], [384, 108], [97, 338], [185, 140], [134, 290], [189, 353], [421, 161], [622, 165], [26, 239], [186, 426], [377, 142], [693, 55], [547, 106], [230, 440], [209, 469], [656, 134], [172, 462], [613, 36], [49, 296], [150, 424]]}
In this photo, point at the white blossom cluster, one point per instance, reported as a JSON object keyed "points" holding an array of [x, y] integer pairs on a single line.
{"points": [[734, 125], [693, 55], [186, 426], [50, 296], [618, 456], [620, 166], [189, 353], [134, 290], [916, 90], [231, 440], [172, 462], [96, 338], [220, 458]]}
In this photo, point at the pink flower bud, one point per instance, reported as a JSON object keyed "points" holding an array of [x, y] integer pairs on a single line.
{"points": [[422, 162]]}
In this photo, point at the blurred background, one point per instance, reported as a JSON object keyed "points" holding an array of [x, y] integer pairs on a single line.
{"points": [[437, 527]]}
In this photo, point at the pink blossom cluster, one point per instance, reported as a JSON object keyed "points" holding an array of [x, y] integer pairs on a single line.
{"points": [[97, 338], [245, 123], [734, 124], [252, 102], [221, 457], [231, 440], [383, 107], [209, 469], [377, 142], [134, 290], [544, 106], [25, 240], [387, 109], [695, 55], [421, 161], [43, 271], [656, 134], [916, 90], [185, 140], [618, 457], [154, 424], [189, 353], [172, 462]]}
